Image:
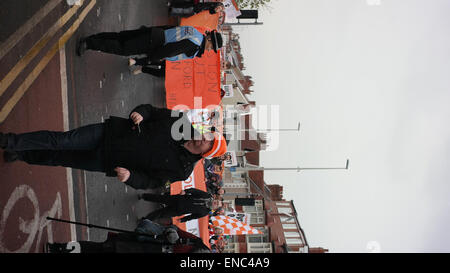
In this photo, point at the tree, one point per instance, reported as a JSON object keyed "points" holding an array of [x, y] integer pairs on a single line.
{"points": [[252, 4]]}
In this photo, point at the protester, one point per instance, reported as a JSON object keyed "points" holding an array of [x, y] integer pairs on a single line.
{"points": [[158, 43], [163, 239], [154, 146], [192, 201]]}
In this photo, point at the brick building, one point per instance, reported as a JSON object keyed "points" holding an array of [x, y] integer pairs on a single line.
{"points": [[246, 190]]}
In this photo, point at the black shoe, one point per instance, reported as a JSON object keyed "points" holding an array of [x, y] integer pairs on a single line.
{"points": [[9, 156], [3, 141], [81, 46], [57, 248]]}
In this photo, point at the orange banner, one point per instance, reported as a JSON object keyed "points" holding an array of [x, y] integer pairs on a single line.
{"points": [[194, 83], [202, 19], [198, 227]]}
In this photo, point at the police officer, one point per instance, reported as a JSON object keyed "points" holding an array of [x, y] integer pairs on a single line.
{"points": [[158, 43]]}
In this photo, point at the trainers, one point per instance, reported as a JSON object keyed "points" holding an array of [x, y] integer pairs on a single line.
{"points": [[9, 156], [57, 248]]}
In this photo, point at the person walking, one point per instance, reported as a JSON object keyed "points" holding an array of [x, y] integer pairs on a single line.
{"points": [[157, 43], [192, 201], [153, 146]]}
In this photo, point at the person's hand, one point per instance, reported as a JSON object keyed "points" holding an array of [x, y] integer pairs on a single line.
{"points": [[136, 118], [122, 174]]}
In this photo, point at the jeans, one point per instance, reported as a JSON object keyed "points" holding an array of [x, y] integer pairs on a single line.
{"points": [[80, 148]]}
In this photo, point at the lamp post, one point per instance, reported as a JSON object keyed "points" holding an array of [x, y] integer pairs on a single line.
{"points": [[250, 167], [272, 130]]}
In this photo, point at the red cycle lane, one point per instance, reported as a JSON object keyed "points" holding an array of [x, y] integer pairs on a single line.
{"points": [[31, 193]]}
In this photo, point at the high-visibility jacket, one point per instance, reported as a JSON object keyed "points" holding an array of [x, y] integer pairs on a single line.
{"points": [[177, 34]]}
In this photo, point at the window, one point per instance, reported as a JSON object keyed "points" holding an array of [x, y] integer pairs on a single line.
{"points": [[257, 214], [291, 234], [289, 226], [286, 210], [287, 219], [259, 238], [257, 218], [259, 248], [294, 241], [232, 246]]}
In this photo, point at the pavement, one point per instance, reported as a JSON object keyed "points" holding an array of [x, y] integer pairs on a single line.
{"points": [[46, 86]]}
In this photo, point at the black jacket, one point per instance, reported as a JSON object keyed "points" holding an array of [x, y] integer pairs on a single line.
{"points": [[149, 152]]}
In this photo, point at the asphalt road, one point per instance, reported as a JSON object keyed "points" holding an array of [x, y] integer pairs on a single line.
{"points": [[101, 85]]}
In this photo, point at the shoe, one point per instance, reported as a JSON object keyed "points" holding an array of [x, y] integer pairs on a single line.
{"points": [[3, 141], [57, 248], [81, 47], [9, 156]]}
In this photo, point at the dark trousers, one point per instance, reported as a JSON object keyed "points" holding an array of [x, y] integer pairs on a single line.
{"points": [[94, 247], [126, 43], [149, 67], [169, 211], [80, 148]]}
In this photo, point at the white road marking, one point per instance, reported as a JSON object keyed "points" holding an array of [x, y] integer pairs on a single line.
{"points": [[86, 206], [25, 28], [32, 227], [65, 110]]}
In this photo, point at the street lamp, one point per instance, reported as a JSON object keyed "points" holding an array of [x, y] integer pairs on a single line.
{"points": [[271, 130], [250, 167]]}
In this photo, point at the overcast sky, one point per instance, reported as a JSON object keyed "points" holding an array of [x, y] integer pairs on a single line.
{"points": [[369, 81]]}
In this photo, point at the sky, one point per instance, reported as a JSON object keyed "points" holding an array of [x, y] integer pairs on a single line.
{"points": [[369, 81]]}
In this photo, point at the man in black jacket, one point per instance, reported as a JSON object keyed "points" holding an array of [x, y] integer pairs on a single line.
{"points": [[192, 201], [154, 146]]}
